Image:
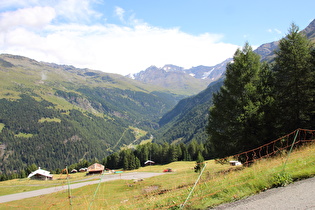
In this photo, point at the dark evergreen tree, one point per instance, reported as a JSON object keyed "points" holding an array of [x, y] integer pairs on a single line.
{"points": [[234, 118], [184, 153], [172, 154], [31, 168], [265, 88], [193, 149], [137, 163], [199, 163], [113, 161], [294, 82], [126, 163]]}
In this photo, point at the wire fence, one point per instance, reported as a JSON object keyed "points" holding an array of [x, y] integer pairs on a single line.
{"points": [[295, 138], [180, 189]]}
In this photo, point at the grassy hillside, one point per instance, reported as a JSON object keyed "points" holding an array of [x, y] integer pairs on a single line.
{"points": [[188, 119], [67, 114], [218, 184]]}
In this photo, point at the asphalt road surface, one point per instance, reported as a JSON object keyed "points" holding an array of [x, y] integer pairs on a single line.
{"points": [[298, 195], [105, 178]]}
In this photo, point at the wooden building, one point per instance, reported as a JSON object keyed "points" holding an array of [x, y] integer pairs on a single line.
{"points": [[96, 168], [40, 174]]}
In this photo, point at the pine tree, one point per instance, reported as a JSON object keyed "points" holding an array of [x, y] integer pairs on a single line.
{"points": [[234, 116], [199, 163], [29, 169], [294, 81], [126, 162], [265, 89], [137, 163]]}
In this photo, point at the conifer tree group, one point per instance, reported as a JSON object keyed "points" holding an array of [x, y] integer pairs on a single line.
{"points": [[259, 102]]}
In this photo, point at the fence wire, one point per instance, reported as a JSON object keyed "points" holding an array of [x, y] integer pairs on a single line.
{"points": [[150, 194]]}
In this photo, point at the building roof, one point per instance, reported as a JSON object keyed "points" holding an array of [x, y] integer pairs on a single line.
{"points": [[40, 172], [96, 167], [149, 162]]}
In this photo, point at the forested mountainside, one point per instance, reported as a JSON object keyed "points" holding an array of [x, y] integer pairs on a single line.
{"points": [[54, 115], [175, 124], [187, 121]]}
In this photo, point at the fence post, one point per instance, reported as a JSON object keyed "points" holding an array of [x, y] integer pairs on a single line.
{"points": [[182, 206], [69, 190], [284, 165]]}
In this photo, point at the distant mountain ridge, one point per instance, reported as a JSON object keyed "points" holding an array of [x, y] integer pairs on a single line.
{"points": [[53, 115], [266, 51], [192, 80], [174, 124], [66, 114], [176, 77]]}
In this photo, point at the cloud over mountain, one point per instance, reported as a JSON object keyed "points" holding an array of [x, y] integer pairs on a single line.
{"points": [[71, 33]]}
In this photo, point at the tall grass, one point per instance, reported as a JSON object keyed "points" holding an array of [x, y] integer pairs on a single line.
{"points": [[218, 184]]}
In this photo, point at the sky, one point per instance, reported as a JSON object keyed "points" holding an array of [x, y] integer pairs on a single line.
{"points": [[128, 36]]}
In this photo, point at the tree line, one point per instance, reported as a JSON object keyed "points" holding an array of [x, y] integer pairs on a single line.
{"points": [[261, 101], [257, 103], [129, 159], [159, 153]]}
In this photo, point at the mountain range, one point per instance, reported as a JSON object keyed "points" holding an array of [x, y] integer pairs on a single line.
{"points": [[53, 115], [188, 119], [189, 81]]}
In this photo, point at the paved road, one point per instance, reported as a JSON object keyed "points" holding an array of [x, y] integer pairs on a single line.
{"points": [[106, 178], [299, 195]]}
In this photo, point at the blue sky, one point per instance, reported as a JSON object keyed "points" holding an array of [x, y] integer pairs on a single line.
{"points": [[120, 36]]}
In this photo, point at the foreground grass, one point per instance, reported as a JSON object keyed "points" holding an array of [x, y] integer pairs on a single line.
{"points": [[218, 184], [25, 185]]}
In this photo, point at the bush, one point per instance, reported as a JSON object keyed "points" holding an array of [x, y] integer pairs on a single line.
{"points": [[282, 179]]}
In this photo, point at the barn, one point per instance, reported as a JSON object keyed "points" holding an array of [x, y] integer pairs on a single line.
{"points": [[96, 168], [40, 174]]}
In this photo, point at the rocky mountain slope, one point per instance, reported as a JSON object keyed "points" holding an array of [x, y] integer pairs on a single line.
{"points": [[196, 79], [180, 124], [187, 81]]}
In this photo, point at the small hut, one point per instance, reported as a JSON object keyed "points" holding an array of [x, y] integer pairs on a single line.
{"points": [[82, 169], [96, 168], [235, 163], [40, 174], [74, 171], [149, 162]]}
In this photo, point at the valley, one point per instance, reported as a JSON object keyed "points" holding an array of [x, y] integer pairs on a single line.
{"points": [[69, 115]]}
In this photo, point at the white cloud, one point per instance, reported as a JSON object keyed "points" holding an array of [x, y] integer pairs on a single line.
{"points": [[17, 3], [277, 31], [75, 11], [120, 13], [35, 17], [109, 48]]}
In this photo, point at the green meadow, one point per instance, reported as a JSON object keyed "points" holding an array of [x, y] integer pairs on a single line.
{"points": [[217, 184]]}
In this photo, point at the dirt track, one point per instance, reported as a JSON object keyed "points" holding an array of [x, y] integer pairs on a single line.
{"points": [[299, 195], [106, 178]]}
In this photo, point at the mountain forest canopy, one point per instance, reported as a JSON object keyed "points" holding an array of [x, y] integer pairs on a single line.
{"points": [[56, 115], [259, 102], [53, 115]]}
